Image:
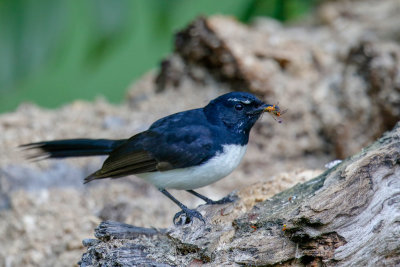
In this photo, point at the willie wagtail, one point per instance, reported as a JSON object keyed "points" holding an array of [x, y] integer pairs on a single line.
{"points": [[185, 150]]}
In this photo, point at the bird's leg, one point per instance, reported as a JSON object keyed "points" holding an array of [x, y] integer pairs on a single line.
{"points": [[189, 214], [227, 199]]}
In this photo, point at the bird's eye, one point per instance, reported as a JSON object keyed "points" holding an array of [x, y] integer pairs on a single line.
{"points": [[238, 106]]}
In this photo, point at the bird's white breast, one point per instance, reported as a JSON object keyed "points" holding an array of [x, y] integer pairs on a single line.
{"points": [[194, 177]]}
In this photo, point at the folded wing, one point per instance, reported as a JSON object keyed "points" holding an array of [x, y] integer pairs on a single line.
{"points": [[158, 149]]}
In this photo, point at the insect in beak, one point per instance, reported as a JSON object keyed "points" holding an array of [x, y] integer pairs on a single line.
{"points": [[275, 112]]}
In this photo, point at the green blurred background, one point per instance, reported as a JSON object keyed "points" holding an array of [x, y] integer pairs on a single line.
{"points": [[55, 51]]}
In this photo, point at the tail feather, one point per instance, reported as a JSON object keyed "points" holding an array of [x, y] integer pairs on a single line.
{"points": [[74, 147]]}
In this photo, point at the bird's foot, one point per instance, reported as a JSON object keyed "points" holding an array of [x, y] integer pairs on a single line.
{"points": [[186, 216], [228, 199]]}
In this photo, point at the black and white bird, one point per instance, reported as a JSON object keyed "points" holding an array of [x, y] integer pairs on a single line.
{"points": [[185, 150]]}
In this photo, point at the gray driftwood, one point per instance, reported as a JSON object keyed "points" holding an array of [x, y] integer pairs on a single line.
{"points": [[348, 216]]}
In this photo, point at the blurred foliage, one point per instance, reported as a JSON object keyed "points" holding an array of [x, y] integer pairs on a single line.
{"points": [[55, 51]]}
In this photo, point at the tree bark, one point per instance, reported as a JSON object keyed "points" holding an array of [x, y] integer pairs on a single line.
{"points": [[347, 216]]}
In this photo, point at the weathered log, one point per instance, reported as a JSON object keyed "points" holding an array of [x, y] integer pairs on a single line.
{"points": [[111, 230], [347, 216]]}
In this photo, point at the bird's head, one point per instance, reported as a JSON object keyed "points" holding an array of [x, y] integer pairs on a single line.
{"points": [[238, 111]]}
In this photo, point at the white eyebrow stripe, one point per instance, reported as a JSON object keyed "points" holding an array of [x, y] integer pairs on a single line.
{"points": [[238, 100]]}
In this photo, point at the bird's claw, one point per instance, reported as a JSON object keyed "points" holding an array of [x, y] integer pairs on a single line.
{"points": [[186, 217]]}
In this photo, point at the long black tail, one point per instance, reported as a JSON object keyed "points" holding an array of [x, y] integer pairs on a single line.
{"points": [[74, 147]]}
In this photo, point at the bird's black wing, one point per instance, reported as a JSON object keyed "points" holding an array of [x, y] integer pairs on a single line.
{"points": [[185, 147], [159, 149]]}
